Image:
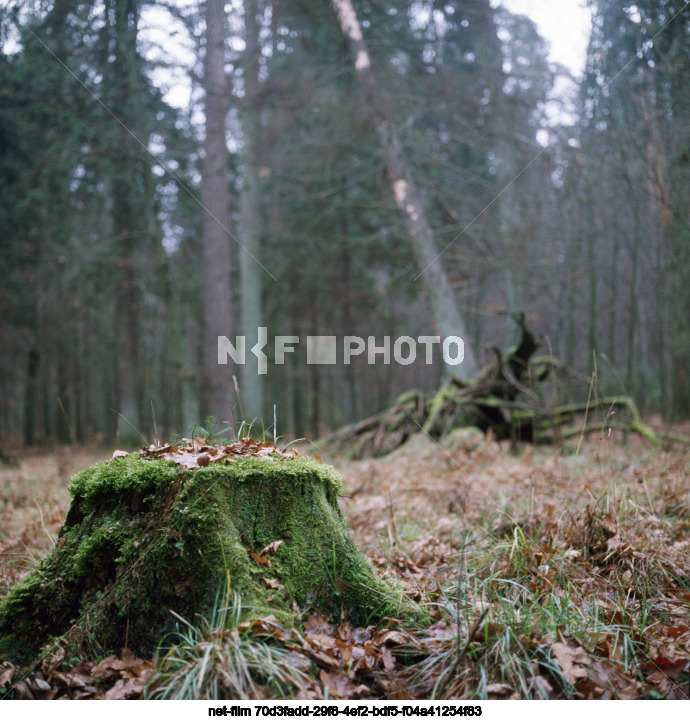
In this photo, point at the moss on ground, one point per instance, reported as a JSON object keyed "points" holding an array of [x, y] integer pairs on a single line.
{"points": [[143, 538]]}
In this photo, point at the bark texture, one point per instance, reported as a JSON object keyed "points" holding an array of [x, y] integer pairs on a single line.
{"points": [[251, 273], [217, 386]]}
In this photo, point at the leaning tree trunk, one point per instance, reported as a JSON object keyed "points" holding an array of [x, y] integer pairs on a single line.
{"points": [[432, 274]]}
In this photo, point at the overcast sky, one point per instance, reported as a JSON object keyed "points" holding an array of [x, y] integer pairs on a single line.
{"points": [[564, 23]]}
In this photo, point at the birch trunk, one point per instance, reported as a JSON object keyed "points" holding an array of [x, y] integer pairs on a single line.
{"points": [[252, 382]]}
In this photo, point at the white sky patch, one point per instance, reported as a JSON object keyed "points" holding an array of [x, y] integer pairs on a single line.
{"points": [[166, 41], [565, 24]]}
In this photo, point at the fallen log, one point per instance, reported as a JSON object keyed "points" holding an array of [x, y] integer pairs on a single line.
{"points": [[505, 400]]}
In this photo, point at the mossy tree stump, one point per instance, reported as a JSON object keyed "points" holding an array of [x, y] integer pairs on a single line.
{"points": [[146, 537]]}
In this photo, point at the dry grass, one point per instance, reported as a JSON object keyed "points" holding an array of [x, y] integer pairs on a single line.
{"points": [[552, 573], [538, 561], [33, 504]]}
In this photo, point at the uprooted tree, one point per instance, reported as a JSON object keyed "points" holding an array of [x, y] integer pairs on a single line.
{"points": [[158, 533], [512, 398]]}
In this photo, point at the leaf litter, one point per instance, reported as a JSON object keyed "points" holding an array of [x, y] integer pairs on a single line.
{"points": [[575, 565], [197, 452], [113, 678]]}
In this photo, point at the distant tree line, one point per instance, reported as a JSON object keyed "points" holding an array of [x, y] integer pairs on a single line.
{"points": [[580, 219]]}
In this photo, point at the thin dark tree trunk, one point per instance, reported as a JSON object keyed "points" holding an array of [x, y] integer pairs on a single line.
{"points": [[632, 320], [127, 221], [217, 388], [613, 308], [30, 397], [352, 407], [315, 373]]}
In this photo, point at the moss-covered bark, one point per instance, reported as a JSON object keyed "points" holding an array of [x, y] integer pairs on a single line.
{"points": [[146, 537]]}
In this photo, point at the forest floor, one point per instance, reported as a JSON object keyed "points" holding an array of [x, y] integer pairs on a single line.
{"points": [[550, 573]]}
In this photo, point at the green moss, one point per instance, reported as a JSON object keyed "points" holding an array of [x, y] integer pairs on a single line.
{"points": [[143, 538], [411, 396]]}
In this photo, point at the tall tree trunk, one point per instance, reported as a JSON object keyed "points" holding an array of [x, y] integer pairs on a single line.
{"points": [[127, 220], [127, 315], [252, 386], [633, 316], [351, 404], [30, 401], [217, 387], [314, 370], [658, 200], [613, 307], [444, 308]]}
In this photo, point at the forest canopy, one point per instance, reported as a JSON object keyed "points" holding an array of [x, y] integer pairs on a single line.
{"points": [[578, 219]]}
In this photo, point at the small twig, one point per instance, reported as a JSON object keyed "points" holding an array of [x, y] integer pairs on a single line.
{"points": [[471, 636], [69, 425], [463, 651], [155, 425], [43, 525]]}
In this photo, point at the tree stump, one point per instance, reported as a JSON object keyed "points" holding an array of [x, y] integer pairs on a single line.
{"points": [[159, 532]]}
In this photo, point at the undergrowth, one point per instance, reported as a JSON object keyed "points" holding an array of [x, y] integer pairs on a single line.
{"points": [[213, 658], [548, 574]]}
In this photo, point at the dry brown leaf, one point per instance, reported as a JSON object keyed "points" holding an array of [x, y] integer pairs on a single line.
{"points": [[572, 661], [104, 666], [357, 652], [266, 626], [261, 560], [272, 583], [272, 547], [388, 658], [22, 690], [545, 688], [322, 642], [49, 665], [362, 635], [72, 680], [127, 688], [661, 681], [341, 686], [198, 453], [616, 543], [499, 689], [298, 661], [39, 684], [8, 674], [317, 624], [344, 631], [323, 658], [394, 638]]}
